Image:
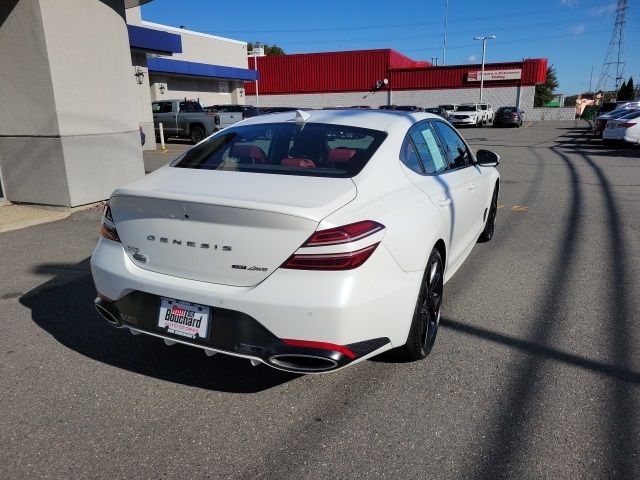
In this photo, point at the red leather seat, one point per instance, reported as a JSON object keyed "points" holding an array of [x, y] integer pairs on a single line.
{"points": [[248, 154], [298, 162], [341, 155]]}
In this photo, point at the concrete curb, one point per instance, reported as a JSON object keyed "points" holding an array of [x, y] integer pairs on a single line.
{"points": [[19, 216]]}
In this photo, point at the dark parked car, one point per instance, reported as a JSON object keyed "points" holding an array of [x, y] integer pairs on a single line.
{"points": [[438, 111], [512, 116]]}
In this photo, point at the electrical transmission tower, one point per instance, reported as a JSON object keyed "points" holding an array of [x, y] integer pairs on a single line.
{"points": [[613, 66]]}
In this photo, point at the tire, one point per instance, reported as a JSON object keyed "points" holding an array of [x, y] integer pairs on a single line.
{"points": [[489, 226], [426, 316], [197, 134]]}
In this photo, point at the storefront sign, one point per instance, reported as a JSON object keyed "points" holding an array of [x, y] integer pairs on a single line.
{"points": [[490, 75]]}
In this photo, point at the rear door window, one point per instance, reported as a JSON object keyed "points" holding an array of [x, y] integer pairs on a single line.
{"points": [[286, 149], [454, 146], [422, 152]]}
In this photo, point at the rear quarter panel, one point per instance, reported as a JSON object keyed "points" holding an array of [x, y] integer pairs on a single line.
{"points": [[385, 195]]}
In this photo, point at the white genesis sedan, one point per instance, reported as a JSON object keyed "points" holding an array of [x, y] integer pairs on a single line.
{"points": [[305, 240]]}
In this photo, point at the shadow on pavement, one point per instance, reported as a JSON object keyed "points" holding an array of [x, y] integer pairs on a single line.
{"points": [[517, 407], [63, 307]]}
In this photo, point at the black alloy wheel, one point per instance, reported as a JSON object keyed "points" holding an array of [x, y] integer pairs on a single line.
{"points": [[489, 226], [197, 134], [426, 317]]}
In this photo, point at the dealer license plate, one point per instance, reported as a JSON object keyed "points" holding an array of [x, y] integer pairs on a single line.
{"points": [[185, 319]]}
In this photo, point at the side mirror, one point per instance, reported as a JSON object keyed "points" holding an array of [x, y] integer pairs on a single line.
{"points": [[487, 158]]}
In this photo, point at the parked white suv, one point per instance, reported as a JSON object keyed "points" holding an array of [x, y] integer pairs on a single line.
{"points": [[468, 114]]}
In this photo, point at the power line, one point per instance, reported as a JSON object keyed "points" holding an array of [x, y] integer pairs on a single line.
{"points": [[527, 13]]}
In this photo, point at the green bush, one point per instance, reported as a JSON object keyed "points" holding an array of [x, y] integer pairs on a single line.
{"points": [[589, 112]]}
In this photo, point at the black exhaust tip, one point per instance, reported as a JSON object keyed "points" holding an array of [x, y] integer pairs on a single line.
{"points": [[108, 312]]}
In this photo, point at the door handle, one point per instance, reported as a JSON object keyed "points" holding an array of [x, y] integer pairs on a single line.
{"points": [[471, 186], [443, 203]]}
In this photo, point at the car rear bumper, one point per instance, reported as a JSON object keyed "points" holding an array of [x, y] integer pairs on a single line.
{"points": [[343, 309], [506, 121]]}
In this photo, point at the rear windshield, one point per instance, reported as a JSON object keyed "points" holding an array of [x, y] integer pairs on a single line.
{"points": [[507, 110], [320, 150], [631, 114], [448, 107]]}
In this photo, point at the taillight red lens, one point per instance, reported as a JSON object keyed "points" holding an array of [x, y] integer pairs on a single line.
{"points": [[344, 234], [108, 229], [625, 125], [330, 261]]}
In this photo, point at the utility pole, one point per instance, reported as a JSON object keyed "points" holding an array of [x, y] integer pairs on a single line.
{"points": [[484, 47], [444, 46]]}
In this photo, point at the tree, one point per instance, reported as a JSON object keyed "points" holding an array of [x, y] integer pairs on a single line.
{"points": [[269, 50], [622, 93], [631, 90], [545, 91]]}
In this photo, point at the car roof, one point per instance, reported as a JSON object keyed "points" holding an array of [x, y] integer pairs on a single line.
{"points": [[373, 119]]}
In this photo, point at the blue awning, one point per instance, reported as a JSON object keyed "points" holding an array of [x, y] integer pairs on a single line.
{"points": [[155, 41], [165, 65]]}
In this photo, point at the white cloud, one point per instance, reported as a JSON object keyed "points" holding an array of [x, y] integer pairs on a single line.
{"points": [[569, 3], [578, 29], [471, 58], [604, 10]]}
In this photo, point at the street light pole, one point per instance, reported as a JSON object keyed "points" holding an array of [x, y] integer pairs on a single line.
{"points": [[255, 64], [484, 47]]}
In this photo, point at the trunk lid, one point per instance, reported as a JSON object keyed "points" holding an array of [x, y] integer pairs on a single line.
{"points": [[231, 228]]}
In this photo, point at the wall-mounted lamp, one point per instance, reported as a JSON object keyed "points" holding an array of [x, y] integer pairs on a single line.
{"points": [[139, 74], [381, 84]]}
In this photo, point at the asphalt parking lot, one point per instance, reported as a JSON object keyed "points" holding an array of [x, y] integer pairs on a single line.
{"points": [[535, 374]]}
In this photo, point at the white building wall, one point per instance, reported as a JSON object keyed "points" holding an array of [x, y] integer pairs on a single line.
{"points": [[496, 96], [200, 48], [204, 48], [143, 98], [208, 90]]}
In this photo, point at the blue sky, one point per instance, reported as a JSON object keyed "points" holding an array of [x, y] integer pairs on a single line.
{"points": [[572, 34]]}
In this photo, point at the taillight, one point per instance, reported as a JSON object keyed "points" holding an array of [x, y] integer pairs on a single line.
{"points": [[345, 234], [108, 228], [330, 261], [336, 236], [625, 125]]}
